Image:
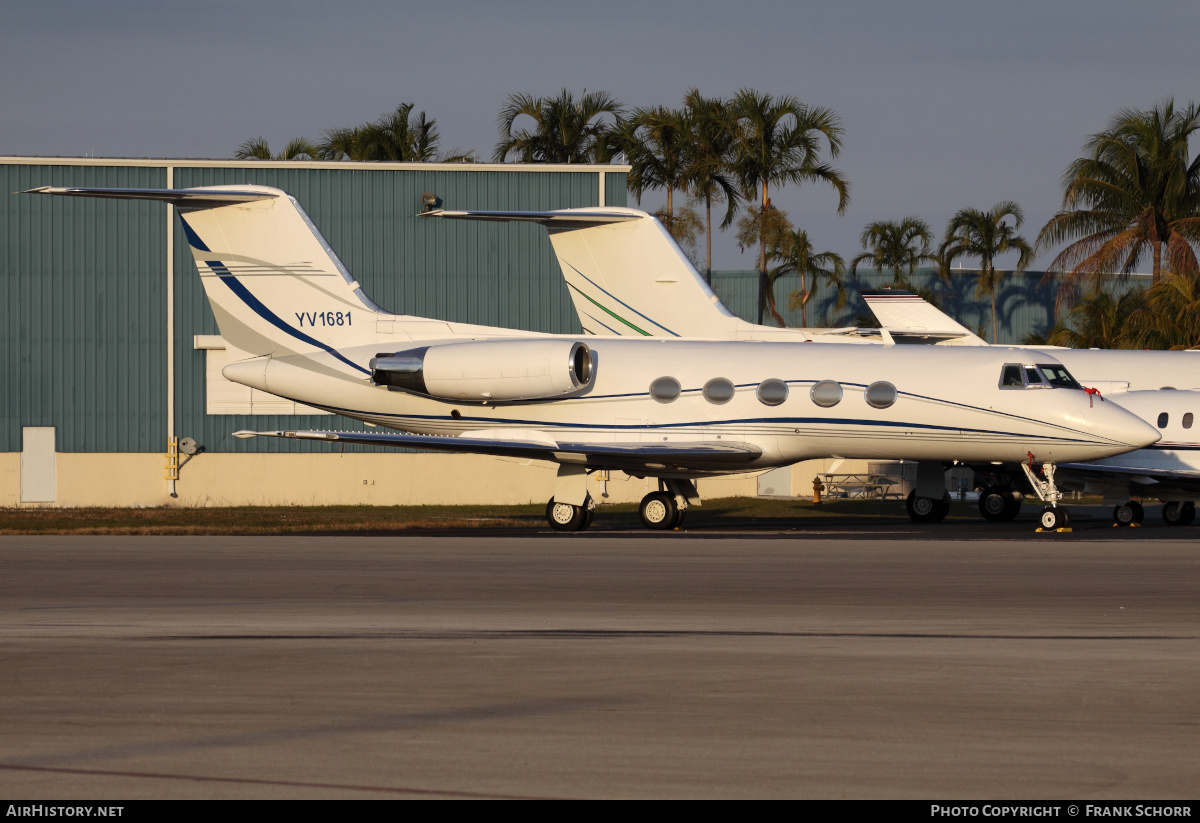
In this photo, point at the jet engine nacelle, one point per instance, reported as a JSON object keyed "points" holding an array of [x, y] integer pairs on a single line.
{"points": [[489, 371]]}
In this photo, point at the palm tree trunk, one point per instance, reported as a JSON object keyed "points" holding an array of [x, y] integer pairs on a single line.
{"points": [[992, 281], [1157, 262], [762, 261], [708, 236], [803, 299], [771, 306]]}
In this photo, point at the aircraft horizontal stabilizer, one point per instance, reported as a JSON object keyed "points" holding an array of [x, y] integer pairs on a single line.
{"points": [[635, 456], [905, 313], [186, 198], [565, 219]]}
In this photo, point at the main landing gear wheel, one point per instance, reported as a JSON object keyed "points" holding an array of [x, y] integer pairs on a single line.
{"points": [[998, 503], [1128, 514], [1176, 513], [1055, 518], [659, 511], [927, 509], [563, 517]]}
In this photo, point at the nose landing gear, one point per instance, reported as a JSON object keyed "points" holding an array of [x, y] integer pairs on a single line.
{"points": [[1054, 518]]}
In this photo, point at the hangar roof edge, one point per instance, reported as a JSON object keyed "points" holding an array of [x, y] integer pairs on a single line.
{"points": [[310, 164]]}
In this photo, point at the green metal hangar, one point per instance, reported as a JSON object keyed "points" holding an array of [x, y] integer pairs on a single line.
{"points": [[111, 354]]}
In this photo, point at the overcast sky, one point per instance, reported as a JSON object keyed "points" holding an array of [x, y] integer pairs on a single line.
{"points": [[945, 104]]}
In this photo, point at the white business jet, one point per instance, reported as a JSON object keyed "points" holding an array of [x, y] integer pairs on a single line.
{"points": [[1156, 386], [671, 409], [628, 277]]}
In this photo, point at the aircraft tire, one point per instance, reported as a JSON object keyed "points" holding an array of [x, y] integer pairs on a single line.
{"points": [[589, 514], [563, 517], [658, 511], [1177, 513], [1139, 514], [925, 509], [998, 504], [1128, 514], [943, 509], [1054, 518]]}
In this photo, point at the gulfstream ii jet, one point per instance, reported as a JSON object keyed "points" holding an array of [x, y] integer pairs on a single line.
{"points": [[660, 407]]}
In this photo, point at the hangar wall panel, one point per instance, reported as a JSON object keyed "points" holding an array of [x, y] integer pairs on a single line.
{"points": [[1024, 304], [84, 313]]}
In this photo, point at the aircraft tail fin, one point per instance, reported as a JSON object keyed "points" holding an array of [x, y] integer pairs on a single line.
{"points": [[625, 273], [903, 312], [274, 283]]}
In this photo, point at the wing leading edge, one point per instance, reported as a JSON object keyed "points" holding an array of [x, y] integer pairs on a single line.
{"points": [[720, 457]]}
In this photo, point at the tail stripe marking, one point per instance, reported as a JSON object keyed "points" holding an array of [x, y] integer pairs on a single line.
{"points": [[598, 322], [266, 314], [622, 302], [193, 239]]}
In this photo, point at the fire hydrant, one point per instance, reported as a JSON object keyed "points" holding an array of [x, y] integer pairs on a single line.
{"points": [[818, 487]]}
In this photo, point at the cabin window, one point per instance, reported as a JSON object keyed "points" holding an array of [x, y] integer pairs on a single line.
{"points": [[665, 389], [1162, 420], [826, 393], [1032, 378], [880, 395], [772, 392], [1187, 420], [718, 391]]}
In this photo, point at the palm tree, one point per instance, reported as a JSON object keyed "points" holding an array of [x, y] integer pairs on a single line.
{"points": [[1135, 192], [338, 144], [256, 148], [779, 140], [564, 131], [897, 245], [398, 137], [1099, 320], [985, 234], [1168, 317], [655, 143], [708, 169], [796, 255]]}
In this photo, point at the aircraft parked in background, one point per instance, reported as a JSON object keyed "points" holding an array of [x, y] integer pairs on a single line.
{"points": [[1168, 470], [628, 277], [675, 410]]}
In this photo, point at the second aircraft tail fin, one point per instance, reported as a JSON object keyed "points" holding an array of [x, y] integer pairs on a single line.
{"points": [[626, 275]]}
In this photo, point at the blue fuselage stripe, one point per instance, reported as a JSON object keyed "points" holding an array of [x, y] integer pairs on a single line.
{"points": [[238, 288]]}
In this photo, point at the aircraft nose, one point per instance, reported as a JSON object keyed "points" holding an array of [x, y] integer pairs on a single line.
{"points": [[1116, 423]]}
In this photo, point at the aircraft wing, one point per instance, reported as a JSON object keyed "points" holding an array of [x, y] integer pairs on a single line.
{"points": [[700, 456], [1179, 480]]}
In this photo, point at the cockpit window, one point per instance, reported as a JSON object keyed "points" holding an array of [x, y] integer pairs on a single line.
{"points": [[1010, 378], [1058, 376], [1040, 376]]}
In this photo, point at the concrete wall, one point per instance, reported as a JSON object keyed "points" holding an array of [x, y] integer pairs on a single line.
{"points": [[136, 479]]}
